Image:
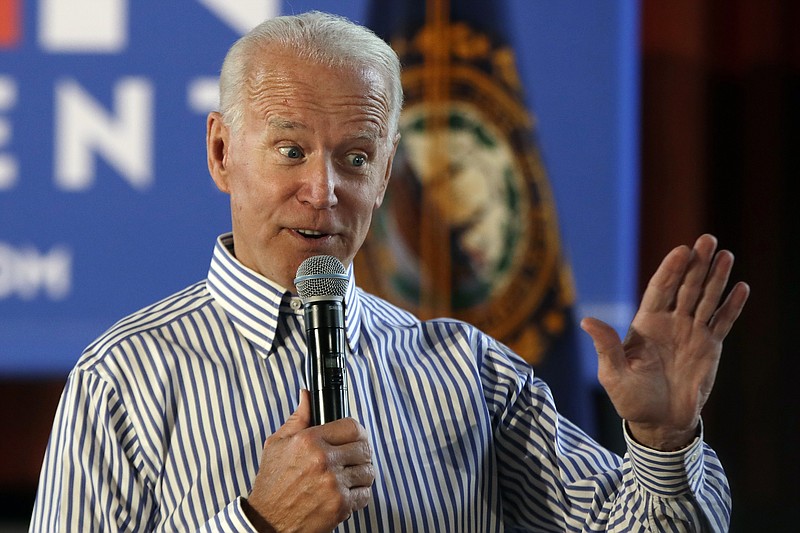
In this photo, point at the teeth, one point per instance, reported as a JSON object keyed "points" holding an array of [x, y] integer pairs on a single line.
{"points": [[309, 232]]}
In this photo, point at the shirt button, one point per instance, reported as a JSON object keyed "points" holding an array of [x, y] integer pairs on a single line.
{"points": [[296, 304]]}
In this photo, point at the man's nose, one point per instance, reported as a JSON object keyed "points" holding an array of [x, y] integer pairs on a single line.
{"points": [[319, 186]]}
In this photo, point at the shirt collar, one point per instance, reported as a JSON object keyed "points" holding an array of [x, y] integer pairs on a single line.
{"points": [[253, 302]]}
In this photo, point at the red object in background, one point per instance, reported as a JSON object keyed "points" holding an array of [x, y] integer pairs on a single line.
{"points": [[10, 23]]}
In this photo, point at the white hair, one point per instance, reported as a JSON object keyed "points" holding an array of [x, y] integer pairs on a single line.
{"points": [[329, 40]]}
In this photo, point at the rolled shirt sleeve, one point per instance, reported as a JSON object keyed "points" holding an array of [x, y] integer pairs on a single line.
{"points": [[555, 477], [686, 486]]}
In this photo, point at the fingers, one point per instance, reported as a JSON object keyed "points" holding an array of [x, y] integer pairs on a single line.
{"points": [[729, 311], [360, 498], [660, 292], [359, 476], [352, 460], [342, 431], [691, 282], [714, 287], [352, 453], [354, 488], [312, 478], [697, 270], [605, 338], [298, 421], [610, 353], [347, 490], [700, 293], [350, 465]]}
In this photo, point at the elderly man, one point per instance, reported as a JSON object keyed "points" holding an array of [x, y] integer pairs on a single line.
{"points": [[193, 414]]}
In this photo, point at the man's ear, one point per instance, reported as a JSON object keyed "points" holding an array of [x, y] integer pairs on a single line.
{"points": [[217, 146], [388, 174]]}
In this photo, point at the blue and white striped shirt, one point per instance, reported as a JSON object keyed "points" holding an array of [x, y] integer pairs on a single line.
{"points": [[162, 422]]}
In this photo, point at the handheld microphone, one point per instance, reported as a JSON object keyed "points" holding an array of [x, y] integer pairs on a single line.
{"points": [[322, 283]]}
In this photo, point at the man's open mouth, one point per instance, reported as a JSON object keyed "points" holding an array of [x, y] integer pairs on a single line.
{"points": [[311, 234]]}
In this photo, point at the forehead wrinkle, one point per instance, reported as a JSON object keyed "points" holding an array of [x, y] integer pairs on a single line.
{"points": [[365, 112], [263, 94], [268, 90]]}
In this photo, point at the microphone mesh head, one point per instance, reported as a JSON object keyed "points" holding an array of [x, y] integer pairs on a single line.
{"points": [[321, 275]]}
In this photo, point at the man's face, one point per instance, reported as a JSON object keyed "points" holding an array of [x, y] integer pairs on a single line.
{"points": [[308, 167]]}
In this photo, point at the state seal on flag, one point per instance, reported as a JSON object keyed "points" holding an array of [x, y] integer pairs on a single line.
{"points": [[468, 227]]}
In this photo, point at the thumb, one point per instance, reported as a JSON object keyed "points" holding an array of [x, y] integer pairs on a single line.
{"points": [[606, 342], [299, 420]]}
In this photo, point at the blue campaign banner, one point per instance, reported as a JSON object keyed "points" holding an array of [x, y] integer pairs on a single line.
{"points": [[106, 204]]}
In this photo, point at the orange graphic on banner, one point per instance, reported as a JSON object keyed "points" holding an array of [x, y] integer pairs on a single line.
{"points": [[10, 23]]}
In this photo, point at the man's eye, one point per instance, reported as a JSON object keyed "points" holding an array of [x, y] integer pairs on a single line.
{"points": [[292, 152], [357, 160]]}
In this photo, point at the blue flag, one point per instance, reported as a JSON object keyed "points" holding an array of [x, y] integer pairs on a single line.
{"points": [[469, 227]]}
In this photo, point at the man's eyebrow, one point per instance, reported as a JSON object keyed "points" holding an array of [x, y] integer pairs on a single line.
{"points": [[367, 135], [285, 124], [280, 123]]}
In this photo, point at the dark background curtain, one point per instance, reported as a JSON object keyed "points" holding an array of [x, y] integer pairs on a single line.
{"points": [[720, 147]]}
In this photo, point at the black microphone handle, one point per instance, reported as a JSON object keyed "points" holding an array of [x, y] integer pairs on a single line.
{"points": [[327, 349]]}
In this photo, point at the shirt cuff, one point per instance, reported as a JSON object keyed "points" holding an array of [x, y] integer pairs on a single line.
{"points": [[230, 520], [667, 474]]}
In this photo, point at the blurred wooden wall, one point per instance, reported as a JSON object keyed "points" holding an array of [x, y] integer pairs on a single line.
{"points": [[720, 148], [27, 407]]}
